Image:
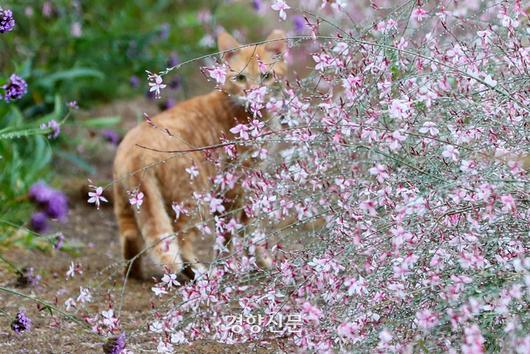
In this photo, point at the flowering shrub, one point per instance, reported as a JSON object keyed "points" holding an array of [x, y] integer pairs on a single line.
{"points": [[388, 186], [405, 146]]}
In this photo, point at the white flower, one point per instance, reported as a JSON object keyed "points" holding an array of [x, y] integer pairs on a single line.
{"points": [[192, 171], [450, 153], [281, 6], [84, 295], [170, 280], [178, 338], [69, 304], [489, 81], [429, 127], [155, 82], [164, 347], [156, 327], [158, 291]]}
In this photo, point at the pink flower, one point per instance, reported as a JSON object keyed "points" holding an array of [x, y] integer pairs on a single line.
{"points": [[426, 319], [215, 204], [242, 130], [136, 200], [323, 61], [178, 208], [281, 6], [369, 207], [218, 73], [508, 203], [312, 313], [400, 109], [474, 341], [350, 330], [386, 26], [419, 14], [96, 197], [380, 172]]}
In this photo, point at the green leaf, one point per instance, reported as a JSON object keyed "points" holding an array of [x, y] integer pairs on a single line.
{"points": [[101, 122], [23, 133], [76, 160], [70, 75]]}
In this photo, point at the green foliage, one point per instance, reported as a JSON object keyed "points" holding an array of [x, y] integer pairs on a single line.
{"points": [[117, 39], [24, 158]]}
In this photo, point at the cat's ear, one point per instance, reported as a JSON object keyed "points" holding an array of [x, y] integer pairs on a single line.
{"points": [[226, 42], [276, 42]]}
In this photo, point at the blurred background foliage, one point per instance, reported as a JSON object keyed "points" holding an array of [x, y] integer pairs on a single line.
{"points": [[91, 52]]}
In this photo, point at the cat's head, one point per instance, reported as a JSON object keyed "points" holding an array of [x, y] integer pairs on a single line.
{"points": [[253, 66]]}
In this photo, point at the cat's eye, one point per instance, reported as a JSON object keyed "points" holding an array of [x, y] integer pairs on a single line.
{"points": [[240, 78], [266, 76]]}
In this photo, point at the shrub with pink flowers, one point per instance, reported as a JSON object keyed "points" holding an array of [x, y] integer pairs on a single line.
{"points": [[397, 207], [389, 184]]}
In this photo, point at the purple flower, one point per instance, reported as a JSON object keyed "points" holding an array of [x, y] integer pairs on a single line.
{"points": [[173, 60], [7, 22], [134, 81], [170, 102], [15, 88], [40, 192], [299, 24], [27, 277], [111, 136], [39, 222], [164, 30], [150, 95], [21, 323], [174, 84], [57, 206], [257, 5], [115, 345], [54, 126], [54, 202], [47, 9], [59, 242]]}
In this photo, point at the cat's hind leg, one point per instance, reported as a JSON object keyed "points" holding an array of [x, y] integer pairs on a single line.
{"points": [[156, 227], [131, 241]]}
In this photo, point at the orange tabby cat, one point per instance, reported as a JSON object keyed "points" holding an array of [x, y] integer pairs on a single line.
{"points": [[198, 122]]}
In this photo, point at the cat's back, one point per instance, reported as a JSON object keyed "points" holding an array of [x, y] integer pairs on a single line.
{"points": [[192, 123]]}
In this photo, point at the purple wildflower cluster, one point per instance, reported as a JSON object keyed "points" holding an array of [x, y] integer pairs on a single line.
{"points": [[7, 22], [54, 126], [115, 345], [53, 203], [21, 323], [15, 89], [111, 136], [27, 277]]}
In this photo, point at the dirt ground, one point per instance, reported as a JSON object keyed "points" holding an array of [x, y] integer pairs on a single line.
{"points": [[100, 259]]}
